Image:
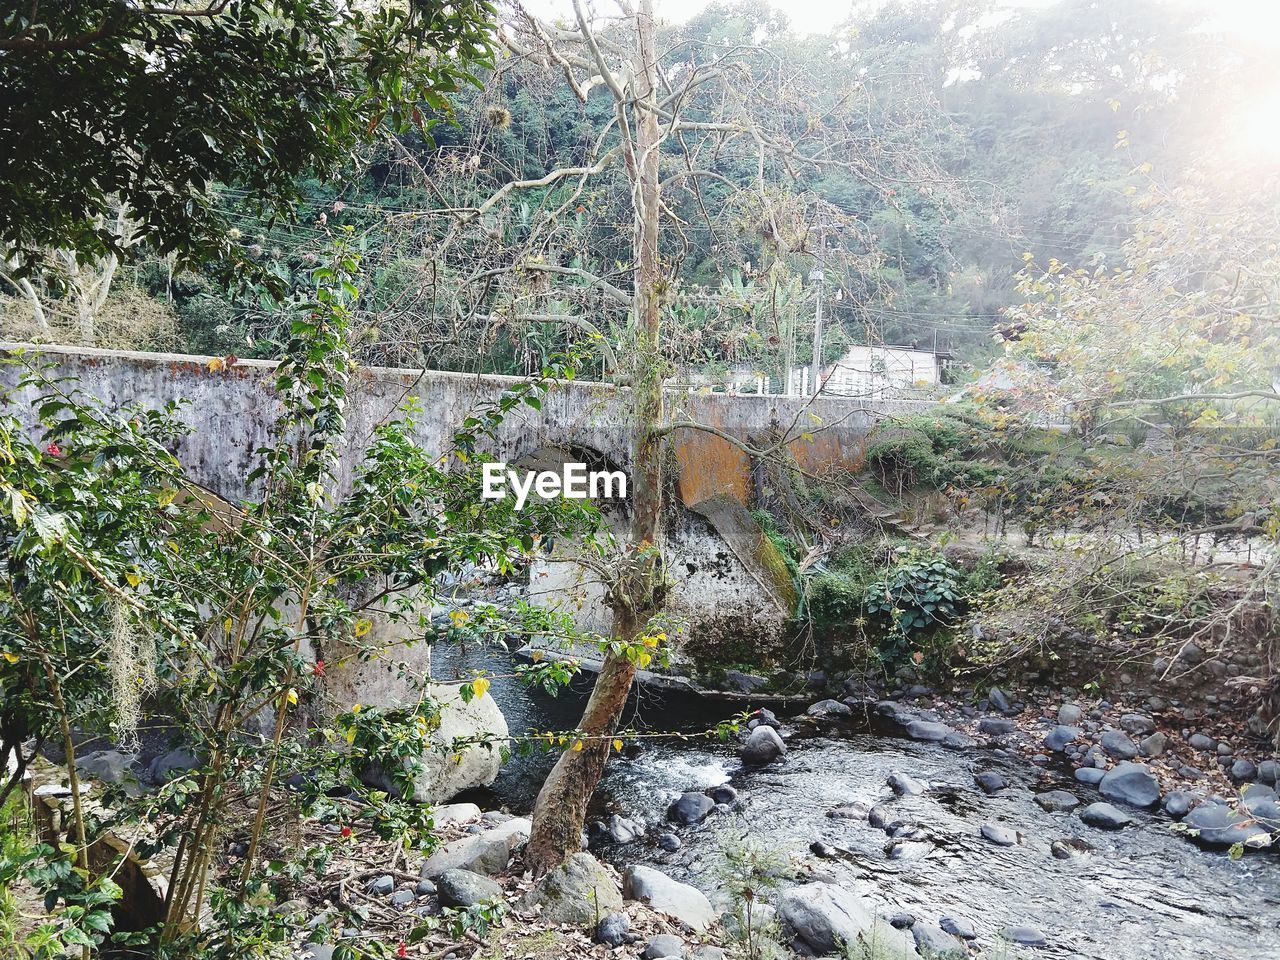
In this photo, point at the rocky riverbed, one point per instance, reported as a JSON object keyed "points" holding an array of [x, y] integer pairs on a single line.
{"points": [[957, 824]]}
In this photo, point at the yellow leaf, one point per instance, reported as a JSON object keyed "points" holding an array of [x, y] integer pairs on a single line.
{"points": [[644, 659], [355, 708], [480, 686], [351, 735], [536, 656], [617, 745], [577, 746], [216, 364], [292, 696], [11, 657], [363, 627], [133, 578], [165, 497]]}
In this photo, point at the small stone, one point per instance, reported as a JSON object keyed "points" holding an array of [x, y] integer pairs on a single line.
{"points": [[990, 781], [1131, 783], [1154, 745], [763, 746], [824, 709], [1025, 936], [996, 726], [425, 888], [1137, 724], [381, 886], [402, 898], [692, 807], [1057, 801], [317, 951], [663, 945], [722, 793], [1105, 816], [1000, 836], [670, 842], [1060, 736], [1198, 741], [1243, 770], [824, 850], [1069, 715], [928, 730], [999, 700], [1177, 804], [933, 941], [613, 929], [958, 928], [902, 920], [1269, 771], [905, 786], [1117, 745]]}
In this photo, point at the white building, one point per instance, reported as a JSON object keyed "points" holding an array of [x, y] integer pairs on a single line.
{"points": [[867, 371]]}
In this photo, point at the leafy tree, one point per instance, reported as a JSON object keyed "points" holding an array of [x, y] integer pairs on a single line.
{"points": [[114, 108]]}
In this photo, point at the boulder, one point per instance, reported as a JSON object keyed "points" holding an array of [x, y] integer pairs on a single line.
{"points": [[1130, 783], [110, 766], [622, 830], [452, 814], [487, 852], [462, 888], [1217, 825], [763, 746], [677, 900], [576, 892], [1057, 801], [691, 807], [169, 765], [444, 772], [824, 919], [1105, 816]]}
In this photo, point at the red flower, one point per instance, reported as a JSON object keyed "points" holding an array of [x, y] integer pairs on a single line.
{"points": [[345, 832], [53, 450], [402, 950], [317, 669]]}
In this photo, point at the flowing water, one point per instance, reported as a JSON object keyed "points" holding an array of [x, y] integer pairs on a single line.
{"points": [[1142, 893]]}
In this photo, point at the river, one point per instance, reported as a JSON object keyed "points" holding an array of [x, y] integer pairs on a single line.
{"points": [[1142, 893]]}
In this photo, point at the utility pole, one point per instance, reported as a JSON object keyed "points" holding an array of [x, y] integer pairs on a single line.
{"points": [[817, 275]]}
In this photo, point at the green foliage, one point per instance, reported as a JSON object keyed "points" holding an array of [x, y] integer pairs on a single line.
{"points": [[124, 575], [107, 102], [921, 591]]}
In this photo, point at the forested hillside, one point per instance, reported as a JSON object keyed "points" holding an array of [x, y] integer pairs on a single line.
{"points": [[940, 143]]}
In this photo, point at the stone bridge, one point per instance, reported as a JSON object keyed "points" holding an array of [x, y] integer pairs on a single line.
{"points": [[720, 583]]}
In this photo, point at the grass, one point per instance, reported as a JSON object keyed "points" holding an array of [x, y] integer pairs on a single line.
{"points": [[16, 838]]}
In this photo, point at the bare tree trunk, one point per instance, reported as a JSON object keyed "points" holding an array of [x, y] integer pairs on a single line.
{"points": [[560, 810]]}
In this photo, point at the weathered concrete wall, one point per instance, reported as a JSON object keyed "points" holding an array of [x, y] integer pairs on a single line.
{"points": [[231, 413]]}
